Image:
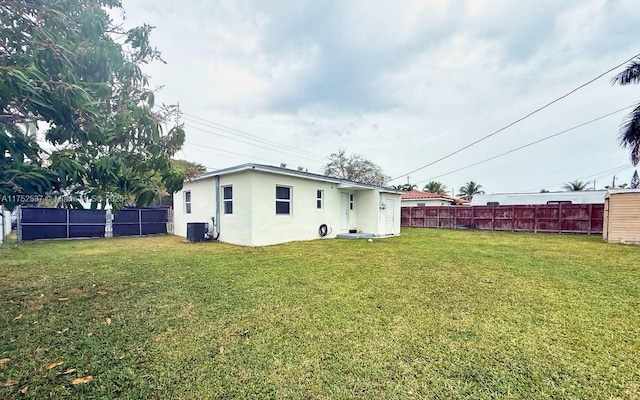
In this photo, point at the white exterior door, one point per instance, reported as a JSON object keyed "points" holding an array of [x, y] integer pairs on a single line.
{"points": [[344, 211], [389, 217]]}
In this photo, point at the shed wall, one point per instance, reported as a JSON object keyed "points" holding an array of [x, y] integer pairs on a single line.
{"points": [[622, 220]]}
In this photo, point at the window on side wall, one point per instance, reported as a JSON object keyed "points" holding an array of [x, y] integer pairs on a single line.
{"points": [[227, 198], [187, 202], [351, 202], [319, 199], [283, 200]]}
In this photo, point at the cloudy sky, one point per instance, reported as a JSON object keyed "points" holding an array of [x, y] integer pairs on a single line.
{"points": [[402, 83]]}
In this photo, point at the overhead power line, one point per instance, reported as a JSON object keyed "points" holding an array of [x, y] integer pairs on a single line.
{"points": [[252, 144], [231, 130], [198, 147], [528, 144], [597, 175], [520, 119]]}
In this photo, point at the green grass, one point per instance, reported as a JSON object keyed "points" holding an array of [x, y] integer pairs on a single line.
{"points": [[431, 314]]}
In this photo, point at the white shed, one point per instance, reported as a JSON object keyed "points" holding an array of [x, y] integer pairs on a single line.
{"points": [[257, 205]]}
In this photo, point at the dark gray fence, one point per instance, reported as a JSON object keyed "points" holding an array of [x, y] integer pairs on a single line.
{"points": [[140, 222], [59, 223]]}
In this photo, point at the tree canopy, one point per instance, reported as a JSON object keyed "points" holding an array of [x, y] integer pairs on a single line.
{"points": [[69, 70], [407, 187], [630, 128], [355, 168], [436, 187], [470, 189], [575, 186]]}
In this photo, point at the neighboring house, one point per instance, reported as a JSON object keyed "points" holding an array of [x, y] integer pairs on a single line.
{"points": [[256, 205], [517, 199], [622, 216], [417, 198]]}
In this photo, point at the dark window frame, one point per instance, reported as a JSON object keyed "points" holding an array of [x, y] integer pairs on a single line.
{"points": [[187, 201], [283, 204], [227, 200]]}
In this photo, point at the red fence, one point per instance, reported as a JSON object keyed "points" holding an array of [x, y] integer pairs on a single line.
{"points": [[562, 218]]}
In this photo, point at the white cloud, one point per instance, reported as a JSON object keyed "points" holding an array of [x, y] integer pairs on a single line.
{"points": [[403, 83]]}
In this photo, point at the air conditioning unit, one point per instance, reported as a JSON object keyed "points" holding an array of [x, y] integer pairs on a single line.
{"points": [[196, 231]]}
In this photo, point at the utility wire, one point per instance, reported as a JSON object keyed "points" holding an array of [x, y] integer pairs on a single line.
{"points": [[597, 175], [250, 143], [527, 145], [228, 129], [520, 119], [199, 146]]}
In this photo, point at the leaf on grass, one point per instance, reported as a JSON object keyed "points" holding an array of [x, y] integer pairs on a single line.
{"points": [[3, 361], [102, 292], [70, 370], [108, 321], [221, 350], [24, 389], [18, 317], [84, 379], [90, 334], [11, 382], [63, 298], [55, 364]]}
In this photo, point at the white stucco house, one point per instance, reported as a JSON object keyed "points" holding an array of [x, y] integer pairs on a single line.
{"points": [[257, 205]]}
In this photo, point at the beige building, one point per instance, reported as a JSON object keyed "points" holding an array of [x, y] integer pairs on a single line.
{"points": [[257, 205], [622, 216]]}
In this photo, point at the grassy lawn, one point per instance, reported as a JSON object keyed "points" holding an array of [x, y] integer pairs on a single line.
{"points": [[432, 314]]}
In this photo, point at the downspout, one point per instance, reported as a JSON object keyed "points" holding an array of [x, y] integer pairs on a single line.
{"points": [[216, 223]]}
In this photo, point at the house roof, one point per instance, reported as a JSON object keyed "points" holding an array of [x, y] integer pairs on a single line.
{"points": [[343, 183], [419, 194]]}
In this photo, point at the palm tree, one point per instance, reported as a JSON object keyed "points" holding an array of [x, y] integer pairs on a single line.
{"points": [[575, 186], [630, 127], [436, 187], [469, 190]]}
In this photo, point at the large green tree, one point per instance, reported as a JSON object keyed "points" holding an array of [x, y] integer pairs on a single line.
{"points": [[630, 128], [68, 69], [470, 189], [354, 168], [436, 187]]}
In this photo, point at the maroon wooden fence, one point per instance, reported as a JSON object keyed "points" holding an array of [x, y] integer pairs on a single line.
{"points": [[562, 218]]}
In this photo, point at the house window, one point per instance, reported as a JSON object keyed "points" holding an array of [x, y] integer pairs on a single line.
{"points": [[351, 202], [319, 199], [283, 200], [422, 204], [227, 197], [493, 203], [187, 202]]}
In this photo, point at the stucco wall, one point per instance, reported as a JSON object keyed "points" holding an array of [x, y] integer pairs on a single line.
{"points": [[202, 205], [368, 205], [236, 227], [305, 218]]}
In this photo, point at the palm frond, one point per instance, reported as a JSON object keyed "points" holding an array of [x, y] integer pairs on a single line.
{"points": [[630, 134], [631, 74]]}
